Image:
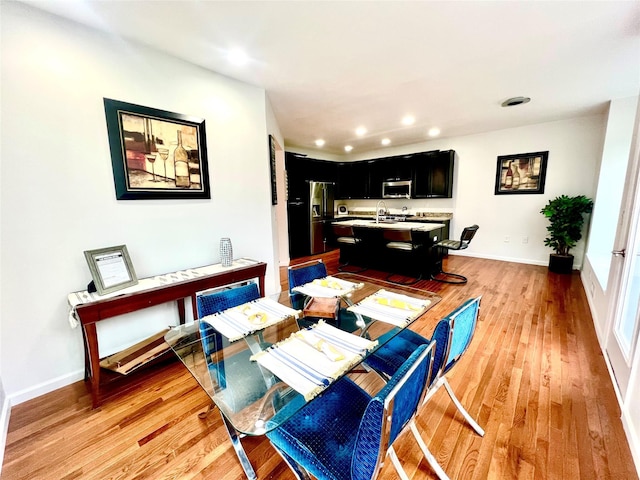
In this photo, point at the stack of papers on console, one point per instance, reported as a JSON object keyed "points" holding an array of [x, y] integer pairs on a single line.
{"points": [[311, 359], [389, 307], [238, 322], [328, 287]]}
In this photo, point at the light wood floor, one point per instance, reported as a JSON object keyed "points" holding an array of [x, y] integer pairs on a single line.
{"points": [[534, 378]]}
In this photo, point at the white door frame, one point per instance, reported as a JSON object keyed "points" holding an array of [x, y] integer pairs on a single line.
{"points": [[627, 230]]}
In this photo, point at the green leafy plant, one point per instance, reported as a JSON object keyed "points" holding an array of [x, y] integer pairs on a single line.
{"points": [[566, 217]]}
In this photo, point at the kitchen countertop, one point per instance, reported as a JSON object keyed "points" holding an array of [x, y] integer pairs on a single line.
{"points": [[425, 217], [405, 225]]}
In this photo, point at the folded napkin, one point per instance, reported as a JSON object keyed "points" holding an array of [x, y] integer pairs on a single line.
{"points": [[238, 322], [309, 360], [394, 308], [328, 287]]}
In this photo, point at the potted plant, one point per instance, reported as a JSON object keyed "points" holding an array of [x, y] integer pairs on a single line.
{"points": [[566, 217]]}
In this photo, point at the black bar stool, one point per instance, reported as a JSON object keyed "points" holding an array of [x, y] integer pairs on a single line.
{"points": [[447, 277]]}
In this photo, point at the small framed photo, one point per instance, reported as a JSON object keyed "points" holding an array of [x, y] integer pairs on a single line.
{"points": [[521, 173], [111, 268], [156, 154]]}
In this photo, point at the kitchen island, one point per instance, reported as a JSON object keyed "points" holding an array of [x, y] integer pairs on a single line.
{"points": [[397, 247]]}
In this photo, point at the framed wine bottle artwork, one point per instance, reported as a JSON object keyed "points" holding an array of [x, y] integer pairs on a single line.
{"points": [[156, 154], [523, 173]]}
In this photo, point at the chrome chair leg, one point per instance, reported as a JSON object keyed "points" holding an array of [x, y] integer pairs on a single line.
{"points": [[298, 470], [462, 410], [391, 453], [237, 446], [427, 454]]}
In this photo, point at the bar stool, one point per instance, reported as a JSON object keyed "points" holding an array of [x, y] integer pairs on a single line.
{"points": [[350, 247], [465, 239], [404, 249]]}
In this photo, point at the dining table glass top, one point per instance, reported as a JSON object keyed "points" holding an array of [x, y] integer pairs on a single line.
{"points": [[248, 389]]}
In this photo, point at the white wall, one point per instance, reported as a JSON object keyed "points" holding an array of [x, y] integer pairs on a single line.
{"points": [[57, 193], [575, 148]]}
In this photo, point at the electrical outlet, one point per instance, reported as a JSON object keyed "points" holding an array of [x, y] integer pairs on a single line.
{"points": [[525, 239], [506, 239]]}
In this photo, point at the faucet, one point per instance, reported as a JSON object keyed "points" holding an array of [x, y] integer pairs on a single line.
{"points": [[378, 210]]}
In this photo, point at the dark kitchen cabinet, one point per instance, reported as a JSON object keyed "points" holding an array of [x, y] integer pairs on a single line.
{"points": [[301, 170], [433, 174], [353, 180], [394, 168]]}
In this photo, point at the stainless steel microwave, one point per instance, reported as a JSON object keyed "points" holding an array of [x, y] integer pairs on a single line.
{"points": [[396, 189]]}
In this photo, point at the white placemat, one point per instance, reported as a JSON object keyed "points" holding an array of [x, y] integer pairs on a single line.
{"points": [[238, 322], [394, 308], [311, 359], [328, 287]]}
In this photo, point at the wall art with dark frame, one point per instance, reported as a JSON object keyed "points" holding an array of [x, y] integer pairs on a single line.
{"points": [[521, 173], [156, 154], [272, 167]]}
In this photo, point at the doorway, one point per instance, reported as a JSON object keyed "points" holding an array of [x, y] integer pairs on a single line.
{"points": [[624, 279]]}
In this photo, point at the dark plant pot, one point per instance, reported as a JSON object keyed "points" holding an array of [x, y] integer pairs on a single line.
{"points": [[560, 263]]}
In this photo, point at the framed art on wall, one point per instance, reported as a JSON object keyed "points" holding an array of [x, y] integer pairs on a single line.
{"points": [[521, 173], [156, 154], [272, 169]]}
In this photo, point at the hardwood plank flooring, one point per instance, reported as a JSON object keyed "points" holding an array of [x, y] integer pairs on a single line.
{"points": [[534, 378]]}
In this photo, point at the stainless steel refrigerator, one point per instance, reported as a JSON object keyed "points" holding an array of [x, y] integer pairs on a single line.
{"points": [[320, 214]]}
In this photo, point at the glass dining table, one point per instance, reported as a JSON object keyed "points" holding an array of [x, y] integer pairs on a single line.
{"points": [[251, 398]]}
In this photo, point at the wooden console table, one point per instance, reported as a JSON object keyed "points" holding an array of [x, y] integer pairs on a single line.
{"points": [[90, 309]]}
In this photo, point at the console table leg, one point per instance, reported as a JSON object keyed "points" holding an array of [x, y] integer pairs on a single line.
{"points": [[91, 336], [181, 312]]}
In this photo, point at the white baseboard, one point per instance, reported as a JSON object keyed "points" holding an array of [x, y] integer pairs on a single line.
{"points": [[5, 411], [45, 387]]}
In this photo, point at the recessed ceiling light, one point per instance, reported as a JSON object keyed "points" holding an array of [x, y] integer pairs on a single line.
{"points": [[385, 141], [237, 56], [319, 142], [512, 102], [409, 120], [360, 131], [434, 132], [348, 148]]}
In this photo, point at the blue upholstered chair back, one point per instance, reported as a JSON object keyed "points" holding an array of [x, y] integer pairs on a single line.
{"points": [[210, 303], [301, 275], [462, 325], [389, 412]]}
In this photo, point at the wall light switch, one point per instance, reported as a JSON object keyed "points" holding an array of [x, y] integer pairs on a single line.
{"points": [[525, 239], [506, 239]]}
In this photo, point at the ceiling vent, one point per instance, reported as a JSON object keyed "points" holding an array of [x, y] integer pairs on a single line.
{"points": [[512, 102]]}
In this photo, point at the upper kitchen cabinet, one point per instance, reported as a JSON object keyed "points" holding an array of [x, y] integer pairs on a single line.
{"points": [[394, 168], [301, 170], [433, 174], [353, 180]]}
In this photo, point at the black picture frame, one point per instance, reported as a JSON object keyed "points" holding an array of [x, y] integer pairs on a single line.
{"points": [[521, 174], [272, 169], [144, 142]]}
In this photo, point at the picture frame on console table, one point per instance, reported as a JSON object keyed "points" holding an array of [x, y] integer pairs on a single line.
{"points": [[523, 173], [111, 269], [156, 154]]}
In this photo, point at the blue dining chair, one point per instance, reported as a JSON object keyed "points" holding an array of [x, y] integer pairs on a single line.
{"points": [[241, 393], [345, 433], [452, 335], [249, 384], [305, 273]]}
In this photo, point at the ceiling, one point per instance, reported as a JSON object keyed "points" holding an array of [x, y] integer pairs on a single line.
{"points": [[331, 66]]}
